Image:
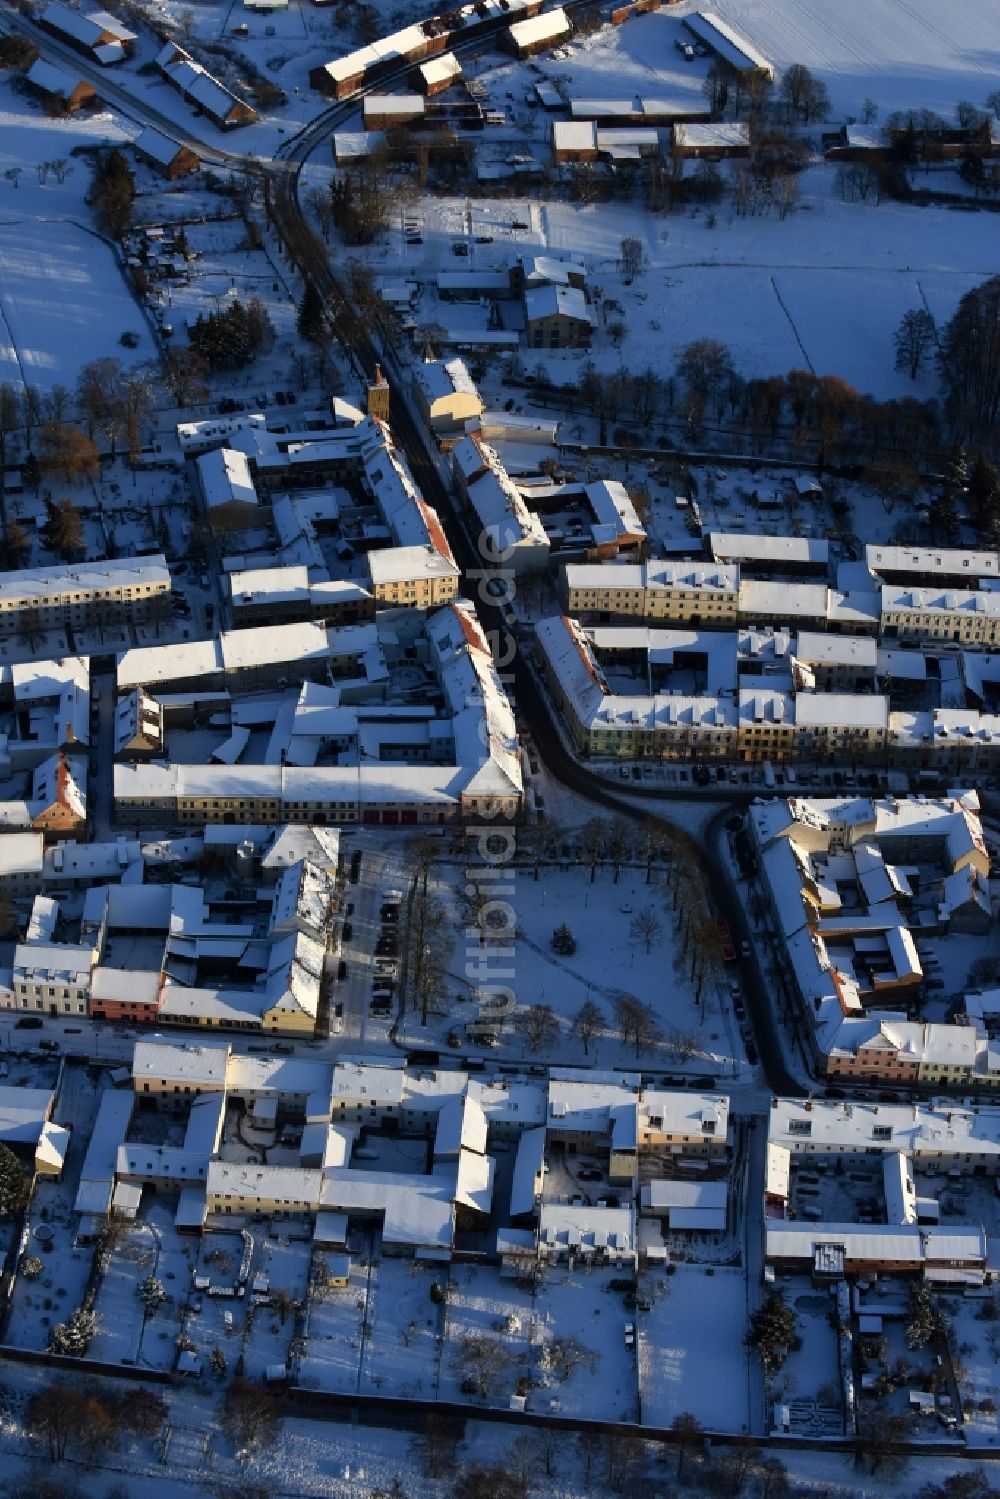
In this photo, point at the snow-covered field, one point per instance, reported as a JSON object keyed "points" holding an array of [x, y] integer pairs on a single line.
{"points": [[63, 303], [691, 1351], [902, 53], [824, 289]]}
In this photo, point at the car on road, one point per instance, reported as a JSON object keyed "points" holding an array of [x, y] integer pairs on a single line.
{"points": [[745, 949], [28, 1023], [342, 969], [726, 937]]}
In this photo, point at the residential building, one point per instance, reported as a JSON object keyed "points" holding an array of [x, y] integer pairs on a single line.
{"points": [[60, 89], [204, 93], [82, 594], [446, 395]]}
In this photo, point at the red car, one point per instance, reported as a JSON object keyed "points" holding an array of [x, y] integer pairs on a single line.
{"points": [[728, 946]]}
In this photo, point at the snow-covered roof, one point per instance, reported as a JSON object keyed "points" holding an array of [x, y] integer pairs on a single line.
{"points": [[201, 1065], [443, 69], [585, 1231], [159, 148], [723, 135], [52, 80], [23, 1112], [874, 1242], [903, 599], [727, 42], [87, 29], [225, 478], [557, 301], [574, 135], [21, 853], [408, 563], [45, 584], [742, 546], [952, 562], [550, 25]]}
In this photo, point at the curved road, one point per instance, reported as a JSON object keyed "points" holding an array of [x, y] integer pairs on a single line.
{"points": [[308, 253]]}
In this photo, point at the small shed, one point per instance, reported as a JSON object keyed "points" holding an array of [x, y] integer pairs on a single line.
{"points": [[808, 487], [164, 155], [338, 1271], [61, 90]]}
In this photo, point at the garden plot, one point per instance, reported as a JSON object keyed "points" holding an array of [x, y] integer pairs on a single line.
{"points": [[582, 1361], [809, 1381], [402, 1350], [976, 1334], [121, 1328], [692, 1356], [269, 1330], [37, 1305], [333, 1335], [488, 1336], [891, 1370]]}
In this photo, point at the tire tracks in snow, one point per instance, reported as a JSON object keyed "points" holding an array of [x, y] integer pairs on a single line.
{"points": [[791, 324]]}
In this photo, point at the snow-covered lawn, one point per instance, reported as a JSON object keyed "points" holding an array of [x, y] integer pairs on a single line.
{"points": [[482, 1304], [577, 1305], [691, 1351], [976, 1332], [118, 1308], [268, 1335], [811, 1374], [608, 960], [402, 1349], [333, 1335]]}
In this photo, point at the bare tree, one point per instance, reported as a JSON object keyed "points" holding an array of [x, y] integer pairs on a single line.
{"points": [[538, 1026], [53, 1413], [482, 1362], [594, 844], [438, 1440], [646, 926], [143, 1412], [67, 451], [490, 1483], [637, 1023], [249, 1413], [681, 1044], [619, 844], [688, 1435], [587, 1023], [913, 339], [631, 258], [10, 417]]}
